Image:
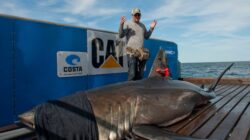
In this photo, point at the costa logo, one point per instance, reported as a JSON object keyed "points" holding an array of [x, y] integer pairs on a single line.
{"points": [[170, 52], [72, 60], [71, 64]]}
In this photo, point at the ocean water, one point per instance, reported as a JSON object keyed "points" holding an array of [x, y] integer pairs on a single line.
{"points": [[213, 69]]}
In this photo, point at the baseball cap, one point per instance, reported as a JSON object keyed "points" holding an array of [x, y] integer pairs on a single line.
{"points": [[136, 11]]}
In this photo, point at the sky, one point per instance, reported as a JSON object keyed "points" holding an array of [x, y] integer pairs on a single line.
{"points": [[204, 30]]}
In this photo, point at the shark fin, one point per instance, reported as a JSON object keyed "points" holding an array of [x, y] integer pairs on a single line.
{"points": [[159, 62], [213, 86]]}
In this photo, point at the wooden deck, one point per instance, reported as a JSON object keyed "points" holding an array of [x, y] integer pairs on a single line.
{"points": [[227, 117]]}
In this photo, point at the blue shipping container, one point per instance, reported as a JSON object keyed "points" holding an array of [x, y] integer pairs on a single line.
{"points": [[31, 53]]}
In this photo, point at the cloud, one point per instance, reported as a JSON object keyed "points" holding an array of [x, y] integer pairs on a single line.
{"points": [[206, 28], [11, 8], [224, 17], [76, 12], [47, 2], [179, 8], [88, 13], [70, 20], [106, 12], [78, 6], [208, 16], [234, 48], [87, 8]]}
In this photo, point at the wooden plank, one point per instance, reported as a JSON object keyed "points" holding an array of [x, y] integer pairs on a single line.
{"points": [[176, 127], [219, 87], [222, 81], [222, 88], [9, 127], [204, 116], [15, 133], [228, 87], [222, 131], [242, 128], [205, 130]]}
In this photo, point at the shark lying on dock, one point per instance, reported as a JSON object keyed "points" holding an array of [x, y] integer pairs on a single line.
{"points": [[141, 108]]}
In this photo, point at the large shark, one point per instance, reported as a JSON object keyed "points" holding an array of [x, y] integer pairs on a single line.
{"points": [[133, 109]]}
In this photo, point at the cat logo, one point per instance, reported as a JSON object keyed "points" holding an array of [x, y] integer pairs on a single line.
{"points": [[107, 60], [105, 53]]}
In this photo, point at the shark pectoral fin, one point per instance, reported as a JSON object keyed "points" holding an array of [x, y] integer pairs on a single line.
{"points": [[155, 133], [27, 118]]}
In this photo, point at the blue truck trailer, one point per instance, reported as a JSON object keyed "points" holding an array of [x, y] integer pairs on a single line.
{"points": [[42, 61]]}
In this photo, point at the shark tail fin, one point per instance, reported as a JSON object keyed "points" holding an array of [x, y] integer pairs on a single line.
{"points": [[213, 86], [160, 61]]}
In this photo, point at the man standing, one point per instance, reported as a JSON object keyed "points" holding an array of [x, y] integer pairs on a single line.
{"points": [[135, 32]]}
